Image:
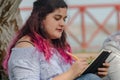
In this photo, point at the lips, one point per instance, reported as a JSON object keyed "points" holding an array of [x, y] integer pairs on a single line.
{"points": [[60, 30]]}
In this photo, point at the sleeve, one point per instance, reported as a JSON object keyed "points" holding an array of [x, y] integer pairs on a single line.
{"points": [[113, 43], [24, 65]]}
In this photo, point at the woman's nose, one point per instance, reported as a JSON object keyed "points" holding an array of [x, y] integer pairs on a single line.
{"points": [[62, 22]]}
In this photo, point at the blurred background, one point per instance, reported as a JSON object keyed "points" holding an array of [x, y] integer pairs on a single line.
{"points": [[89, 22]]}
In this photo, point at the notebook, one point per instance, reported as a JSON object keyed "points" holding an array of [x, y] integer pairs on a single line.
{"points": [[96, 63]]}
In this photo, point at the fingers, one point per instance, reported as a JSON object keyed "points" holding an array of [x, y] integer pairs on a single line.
{"points": [[102, 74], [78, 67], [82, 62], [104, 70], [107, 65]]}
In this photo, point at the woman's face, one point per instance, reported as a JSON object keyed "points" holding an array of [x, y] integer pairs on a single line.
{"points": [[54, 23]]}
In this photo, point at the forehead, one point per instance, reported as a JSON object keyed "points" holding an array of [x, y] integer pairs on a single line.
{"points": [[60, 11]]}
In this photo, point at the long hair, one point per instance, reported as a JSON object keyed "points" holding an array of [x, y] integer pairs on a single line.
{"points": [[32, 28]]}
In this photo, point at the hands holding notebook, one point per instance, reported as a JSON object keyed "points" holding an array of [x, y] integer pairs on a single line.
{"points": [[104, 70], [97, 66]]}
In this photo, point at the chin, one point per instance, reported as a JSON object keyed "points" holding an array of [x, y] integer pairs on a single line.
{"points": [[57, 37]]}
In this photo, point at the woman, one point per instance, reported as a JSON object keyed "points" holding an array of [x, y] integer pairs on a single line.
{"points": [[39, 52]]}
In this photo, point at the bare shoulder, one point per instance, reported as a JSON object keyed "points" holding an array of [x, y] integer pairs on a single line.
{"points": [[24, 42]]}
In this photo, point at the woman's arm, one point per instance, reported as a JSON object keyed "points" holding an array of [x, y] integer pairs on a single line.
{"points": [[24, 64], [73, 72]]}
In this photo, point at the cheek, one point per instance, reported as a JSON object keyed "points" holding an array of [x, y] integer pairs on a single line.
{"points": [[49, 24], [49, 29]]}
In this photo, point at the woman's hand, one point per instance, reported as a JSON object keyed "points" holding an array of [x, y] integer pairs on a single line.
{"points": [[77, 67], [102, 72]]}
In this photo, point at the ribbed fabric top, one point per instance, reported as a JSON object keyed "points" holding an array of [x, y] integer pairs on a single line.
{"points": [[29, 64]]}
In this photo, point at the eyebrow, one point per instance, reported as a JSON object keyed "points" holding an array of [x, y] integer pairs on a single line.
{"points": [[60, 15]]}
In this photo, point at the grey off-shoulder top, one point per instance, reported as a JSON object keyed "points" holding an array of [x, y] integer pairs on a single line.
{"points": [[29, 64]]}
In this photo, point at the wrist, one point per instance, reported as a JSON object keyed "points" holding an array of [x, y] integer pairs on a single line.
{"points": [[72, 74]]}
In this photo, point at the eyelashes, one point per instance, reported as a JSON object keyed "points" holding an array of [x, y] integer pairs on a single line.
{"points": [[57, 18]]}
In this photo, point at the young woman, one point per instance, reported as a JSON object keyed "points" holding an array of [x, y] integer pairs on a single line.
{"points": [[39, 51]]}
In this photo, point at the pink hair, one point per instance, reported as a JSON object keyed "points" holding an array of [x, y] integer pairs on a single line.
{"points": [[42, 45]]}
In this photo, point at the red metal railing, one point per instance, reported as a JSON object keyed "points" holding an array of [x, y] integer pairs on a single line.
{"points": [[101, 26], [82, 10]]}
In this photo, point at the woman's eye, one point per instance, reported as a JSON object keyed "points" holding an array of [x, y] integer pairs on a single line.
{"points": [[57, 18]]}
